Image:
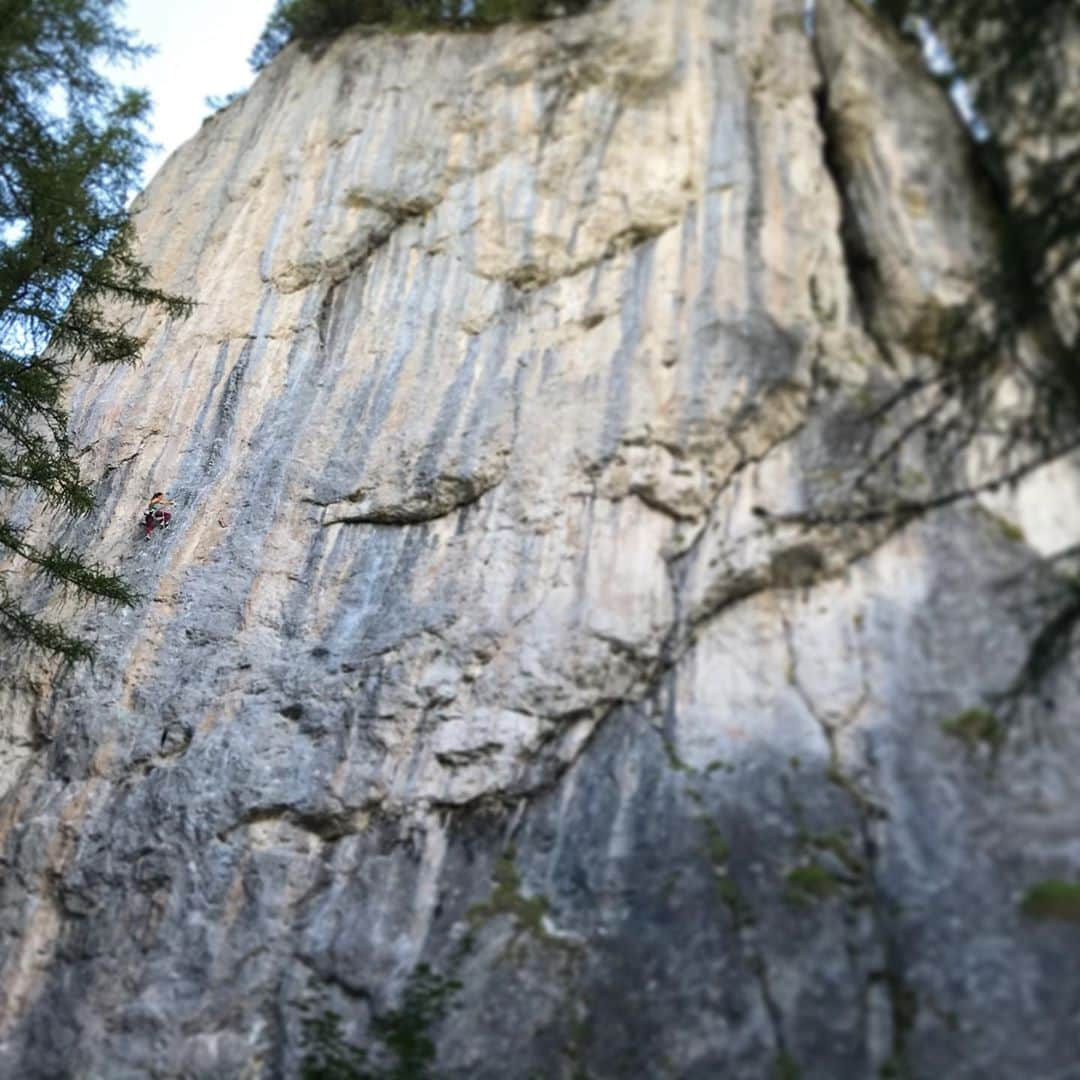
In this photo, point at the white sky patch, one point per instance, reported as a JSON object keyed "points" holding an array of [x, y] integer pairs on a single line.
{"points": [[940, 63], [202, 50]]}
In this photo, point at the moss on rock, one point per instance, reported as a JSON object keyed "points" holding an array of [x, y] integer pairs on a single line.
{"points": [[810, 882], [975, 727], [1053, 899]]}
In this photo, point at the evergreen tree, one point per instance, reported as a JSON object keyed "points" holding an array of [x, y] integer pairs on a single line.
{"points": [[1018, 59], [312, 20], [1021, 330], [71, 145]]}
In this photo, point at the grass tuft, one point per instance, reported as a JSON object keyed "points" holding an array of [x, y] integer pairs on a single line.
{"points": [[975, 727], [1053, 899]]}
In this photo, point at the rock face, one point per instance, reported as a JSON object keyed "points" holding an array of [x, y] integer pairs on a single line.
{"points": [[526, 612]]}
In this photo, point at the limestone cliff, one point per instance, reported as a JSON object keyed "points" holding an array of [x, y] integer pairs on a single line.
{"points": [[524, 613]]}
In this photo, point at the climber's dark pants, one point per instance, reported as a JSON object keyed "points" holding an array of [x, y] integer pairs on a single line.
{"points": [[156, 517]]}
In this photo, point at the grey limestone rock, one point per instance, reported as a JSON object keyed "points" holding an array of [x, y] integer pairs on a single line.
{"points": [[520, 616]]}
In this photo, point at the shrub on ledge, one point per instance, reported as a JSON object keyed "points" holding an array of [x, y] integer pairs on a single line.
{"points": [[315, 20]]}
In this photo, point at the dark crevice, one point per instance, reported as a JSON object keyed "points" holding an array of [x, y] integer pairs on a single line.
{"points": [[448, 495], [1051, 645], [863, 272], [529, 277], [337, 273], [328, 826], [868, 816], [400, 517]]}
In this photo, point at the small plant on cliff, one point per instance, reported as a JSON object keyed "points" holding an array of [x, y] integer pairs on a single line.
{"points": [[1053, 900], [975, 727], [71, 145], [327, 1053], [315, 20], [809, 883], [403, 1048], [507, 899], [785, 1067]]}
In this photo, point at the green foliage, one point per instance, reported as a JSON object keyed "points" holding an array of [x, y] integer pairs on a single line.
{"points": [[785, 1067], [404, 1030], [717, 852], [507, 899], [1011, 531], [904, 1007], [672, 755], [314, 20], [838, 845], [327, 1055], [1053, 900], [716, 847], [975, 727], [810, 882], [1015, 58], [732, 898], [403, 1048], [71, 145]]}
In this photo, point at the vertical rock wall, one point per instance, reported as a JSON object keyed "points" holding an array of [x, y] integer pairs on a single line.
{"points": [[522, 613]]}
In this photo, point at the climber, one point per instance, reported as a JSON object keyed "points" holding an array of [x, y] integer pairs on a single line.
{"points": [[156, 514]]}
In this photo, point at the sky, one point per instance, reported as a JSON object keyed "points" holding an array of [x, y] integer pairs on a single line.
{"points": [[202, 50]]}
